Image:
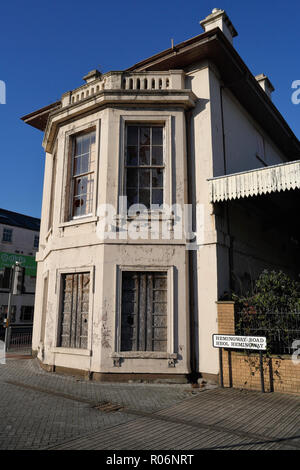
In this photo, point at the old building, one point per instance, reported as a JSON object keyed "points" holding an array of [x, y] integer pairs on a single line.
{"points": [[190, 125], [19, 241]]}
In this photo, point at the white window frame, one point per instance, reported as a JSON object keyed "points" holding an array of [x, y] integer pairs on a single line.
{"points": [[66, 217], [148, 120]]}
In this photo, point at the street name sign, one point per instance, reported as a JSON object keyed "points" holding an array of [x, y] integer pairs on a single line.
{"points": [[240, 342]]}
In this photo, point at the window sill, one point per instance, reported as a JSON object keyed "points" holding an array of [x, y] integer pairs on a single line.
{"points": [[83, 220], [143, 355], [151, 214], [73, 351]]}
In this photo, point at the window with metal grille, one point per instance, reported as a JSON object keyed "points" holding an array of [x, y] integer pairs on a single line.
{"points": [[7, 235], [83, 167], [144, 163], [75, 310], [144, 311]]}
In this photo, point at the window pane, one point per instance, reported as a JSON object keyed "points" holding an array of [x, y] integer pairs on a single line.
{"points": [[144, 156], [84, 164], [132, 135], [78, 146], [85, 144], [157, 178], [78, 206], [157, 196], [83, 192], [144, 178], [132, 153], [157, 136], [145, 197], [132, 178], [80, 186], [157, 155], [132, 197], [144, 135]]}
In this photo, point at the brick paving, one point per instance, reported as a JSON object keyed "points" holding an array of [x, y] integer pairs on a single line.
{"points": [[40, 410]]}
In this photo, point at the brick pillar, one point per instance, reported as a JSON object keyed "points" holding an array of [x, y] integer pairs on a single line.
{"points": [[226, 318], [225, 327]]}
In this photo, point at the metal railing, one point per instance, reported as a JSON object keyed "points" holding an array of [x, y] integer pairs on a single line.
{"points": [[280, 328], [21, 340]]}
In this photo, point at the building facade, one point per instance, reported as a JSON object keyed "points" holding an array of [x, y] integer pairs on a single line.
{"points": [[170, 130], [19, 241]]}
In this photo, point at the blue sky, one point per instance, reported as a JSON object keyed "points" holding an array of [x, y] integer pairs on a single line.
{"points": [[47, 47]]}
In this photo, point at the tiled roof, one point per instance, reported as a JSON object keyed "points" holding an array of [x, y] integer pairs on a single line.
{"points": [[19, 220]]}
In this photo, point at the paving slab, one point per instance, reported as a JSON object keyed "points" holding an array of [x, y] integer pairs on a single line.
{"points": [[40, 410]]}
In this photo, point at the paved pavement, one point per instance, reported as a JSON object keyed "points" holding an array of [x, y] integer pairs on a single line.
{"points": [[40, 410]]}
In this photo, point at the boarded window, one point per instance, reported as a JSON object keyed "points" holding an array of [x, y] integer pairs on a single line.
{"points": [[144, 311], [75, 308]]}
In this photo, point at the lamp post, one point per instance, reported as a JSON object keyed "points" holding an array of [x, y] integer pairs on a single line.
{"points": [[15, 288]]}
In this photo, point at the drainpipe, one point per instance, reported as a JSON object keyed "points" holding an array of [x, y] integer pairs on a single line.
{"points": [[227, 215], [192, 266]]}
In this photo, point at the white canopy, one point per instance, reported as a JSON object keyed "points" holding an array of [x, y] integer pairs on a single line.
{"points": [[265, 180]]}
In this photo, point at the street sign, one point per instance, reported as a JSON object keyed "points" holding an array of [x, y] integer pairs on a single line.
{"points": [[240, 342]]}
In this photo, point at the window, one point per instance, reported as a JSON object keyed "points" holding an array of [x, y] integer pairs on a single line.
{"points": [[144, 311], [75, 310], [5, 275], [260, 148], [7, 235], [83, 167], [144, 165], [36, 241], [27, 313], [3, 313]]}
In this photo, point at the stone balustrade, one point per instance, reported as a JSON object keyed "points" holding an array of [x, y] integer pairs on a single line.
{"points": [[137, 81]]}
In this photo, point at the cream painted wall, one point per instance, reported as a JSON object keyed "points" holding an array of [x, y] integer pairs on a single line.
{"points": [[75, 245], [241, 133]]}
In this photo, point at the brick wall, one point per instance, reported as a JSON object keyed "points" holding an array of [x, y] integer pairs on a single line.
{"points": [[280, 373]]}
